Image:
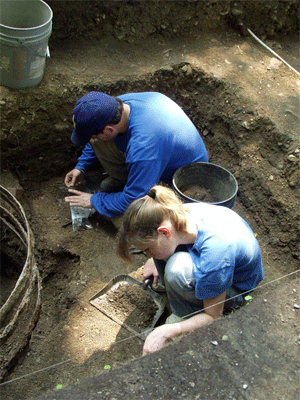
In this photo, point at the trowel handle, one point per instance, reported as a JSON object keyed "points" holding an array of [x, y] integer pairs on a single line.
{"points": [[148, 282]]}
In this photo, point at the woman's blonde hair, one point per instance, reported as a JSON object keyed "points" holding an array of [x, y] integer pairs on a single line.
{"points": [[145, 215]]}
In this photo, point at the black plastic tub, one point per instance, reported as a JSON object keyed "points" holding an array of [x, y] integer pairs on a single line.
{"points": [[212, 184]]}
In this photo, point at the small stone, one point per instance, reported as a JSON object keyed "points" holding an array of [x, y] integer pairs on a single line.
{"points": [[187, 69], [275, 63], [296, 306], [245, 387], [236, 11], [224, 338], [292, 158], [215, 343], [190, 352]]}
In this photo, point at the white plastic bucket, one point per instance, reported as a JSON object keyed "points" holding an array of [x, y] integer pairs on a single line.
{"points": [[25, 27]]}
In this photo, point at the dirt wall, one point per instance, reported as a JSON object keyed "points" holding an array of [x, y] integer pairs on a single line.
{"points": [[39, 126], [99, 19]]}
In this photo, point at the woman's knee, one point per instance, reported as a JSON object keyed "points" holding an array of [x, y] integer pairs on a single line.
{"points": [[179, 268]]}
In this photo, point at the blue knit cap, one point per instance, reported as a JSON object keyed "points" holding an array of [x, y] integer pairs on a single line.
{"points": [[90, 115]]}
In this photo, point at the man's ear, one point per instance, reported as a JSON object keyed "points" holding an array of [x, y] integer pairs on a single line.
{"points": [[164, 230], [109, 129]]}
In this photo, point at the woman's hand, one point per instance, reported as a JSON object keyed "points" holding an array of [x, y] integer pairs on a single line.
{"points": [[157, 338], [81, 199], [213, 309], [149, 269]]}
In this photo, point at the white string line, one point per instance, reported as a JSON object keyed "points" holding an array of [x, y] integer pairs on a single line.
{"points": [[273, 52], [137, 336], [221, 302], [40, 370]]}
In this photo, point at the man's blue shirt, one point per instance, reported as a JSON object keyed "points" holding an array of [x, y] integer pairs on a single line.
{"points": [[159, 139]]}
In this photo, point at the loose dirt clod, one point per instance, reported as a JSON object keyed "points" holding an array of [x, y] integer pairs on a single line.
{"points": [[130, 304], [198, 193]]}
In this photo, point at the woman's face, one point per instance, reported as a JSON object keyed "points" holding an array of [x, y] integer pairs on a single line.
{"points": [[162, 247]]}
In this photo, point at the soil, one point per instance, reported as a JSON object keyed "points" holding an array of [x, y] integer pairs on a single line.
{"points": [[198, 193], [243, 100], [13, 256], [130, 305]]}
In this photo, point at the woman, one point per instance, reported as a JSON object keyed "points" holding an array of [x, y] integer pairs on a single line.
{"points": [[202, 253]]}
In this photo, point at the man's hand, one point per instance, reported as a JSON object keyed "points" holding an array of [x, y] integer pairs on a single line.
{"points": [[149, 270], [81, 199], [73, 177]]}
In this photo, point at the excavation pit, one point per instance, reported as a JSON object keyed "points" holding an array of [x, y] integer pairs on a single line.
{"points": [[74, 265], [240, 135]]}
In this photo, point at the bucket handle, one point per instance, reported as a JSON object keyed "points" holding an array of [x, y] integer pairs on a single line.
{"points": [[36, 53]]}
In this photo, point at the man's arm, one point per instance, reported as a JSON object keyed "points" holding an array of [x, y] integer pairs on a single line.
{"points": [[142, 175], [87, 159]]}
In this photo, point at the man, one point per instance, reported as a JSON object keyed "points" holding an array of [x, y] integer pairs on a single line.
{"points": [[139, 139]]}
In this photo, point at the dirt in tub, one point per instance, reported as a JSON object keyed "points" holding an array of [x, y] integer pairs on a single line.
{"points": [[196, 192]]}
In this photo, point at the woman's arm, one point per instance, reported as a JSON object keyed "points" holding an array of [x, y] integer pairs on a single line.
{"points": [[156, 339]]}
